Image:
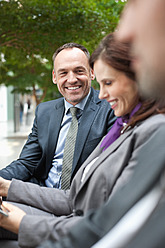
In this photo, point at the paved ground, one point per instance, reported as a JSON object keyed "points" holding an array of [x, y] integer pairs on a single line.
{"points": [[11, 142]]}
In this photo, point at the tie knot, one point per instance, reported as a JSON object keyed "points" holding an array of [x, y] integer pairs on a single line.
{"points": [[73, 111]]}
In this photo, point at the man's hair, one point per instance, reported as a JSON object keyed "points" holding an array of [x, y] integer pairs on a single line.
{"points": [[71, 45]]}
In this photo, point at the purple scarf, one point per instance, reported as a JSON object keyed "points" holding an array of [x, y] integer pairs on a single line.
{"points": [[114, 132]]}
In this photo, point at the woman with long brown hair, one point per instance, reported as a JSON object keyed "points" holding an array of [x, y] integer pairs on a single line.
{"points": [[111, 62]]}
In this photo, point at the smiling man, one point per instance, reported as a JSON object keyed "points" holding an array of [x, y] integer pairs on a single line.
{"points": [[72, 74], [41, 159]]}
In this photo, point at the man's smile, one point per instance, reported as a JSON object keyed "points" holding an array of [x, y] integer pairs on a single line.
{"points": [[73, 87]]}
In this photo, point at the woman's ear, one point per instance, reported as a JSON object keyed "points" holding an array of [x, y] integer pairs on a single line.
{"points": [[54, 77]]}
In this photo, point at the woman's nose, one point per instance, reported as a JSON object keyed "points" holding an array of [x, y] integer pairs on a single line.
{"points": [[103, 94]]}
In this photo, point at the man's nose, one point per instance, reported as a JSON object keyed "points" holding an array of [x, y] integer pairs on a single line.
{"points": [[71, 78]]}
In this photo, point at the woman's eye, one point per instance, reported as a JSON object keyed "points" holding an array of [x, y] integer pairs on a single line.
{"points": [[108, 83]]}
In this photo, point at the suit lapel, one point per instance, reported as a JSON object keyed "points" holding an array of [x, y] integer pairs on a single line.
{"points": [[89, 113], [54, 128], [106, 154], [150, 166]]}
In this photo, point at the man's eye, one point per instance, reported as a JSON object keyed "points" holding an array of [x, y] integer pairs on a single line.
{"points": [[80, 71], [63, 73]]}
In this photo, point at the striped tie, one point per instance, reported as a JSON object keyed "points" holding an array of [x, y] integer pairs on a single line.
{"points": [[69, 150]]}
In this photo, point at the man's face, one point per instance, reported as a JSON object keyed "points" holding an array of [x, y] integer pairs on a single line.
{"points": [[72, 74], [143, 25]]}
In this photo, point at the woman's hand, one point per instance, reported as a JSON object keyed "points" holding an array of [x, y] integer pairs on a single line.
{"points": [[4, 186], [15, 215]]}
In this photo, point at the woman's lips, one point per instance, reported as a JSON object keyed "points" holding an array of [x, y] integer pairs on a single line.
{"points": [[113, 103]]}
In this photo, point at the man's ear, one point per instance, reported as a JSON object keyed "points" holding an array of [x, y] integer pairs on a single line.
{"points": [[92, 74], [54, 77]]}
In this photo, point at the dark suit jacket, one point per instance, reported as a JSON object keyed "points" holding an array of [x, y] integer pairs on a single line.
{"points": [[35, 160], [149, 168]]}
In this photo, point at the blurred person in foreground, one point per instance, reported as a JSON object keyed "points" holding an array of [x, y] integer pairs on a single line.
{"points": [[53, 213]]}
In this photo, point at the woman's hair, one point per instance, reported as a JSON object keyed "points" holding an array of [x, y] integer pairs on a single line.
{"points": [[148, 108], [117, 55]]}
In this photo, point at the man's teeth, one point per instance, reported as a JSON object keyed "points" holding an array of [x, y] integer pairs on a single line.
{"points": [[73, 88], [112, 103]]}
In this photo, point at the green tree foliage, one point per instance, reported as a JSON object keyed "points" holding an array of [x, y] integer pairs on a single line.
{"points": [[31, 30]]}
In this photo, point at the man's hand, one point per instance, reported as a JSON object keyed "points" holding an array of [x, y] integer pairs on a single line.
{"points": [[4, 186], [15, 215]]}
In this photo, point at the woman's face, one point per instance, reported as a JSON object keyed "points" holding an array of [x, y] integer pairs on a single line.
{"points": [[119, 90]]}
